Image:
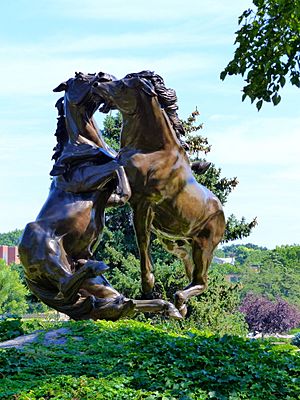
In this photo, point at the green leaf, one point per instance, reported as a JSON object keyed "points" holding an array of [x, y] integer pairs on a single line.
{"points": [[223, 75], [276, 99], [282, 81], [259, 104]]}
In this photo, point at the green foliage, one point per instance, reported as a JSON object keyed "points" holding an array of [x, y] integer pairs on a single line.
{"points": [[10, 238], [236, 229], [10, 328], [216, 310], [278, 273], [132, 360], [234, 249], [111, 130], [12, 291], [296, 340], [272, 273], [267, 50]]}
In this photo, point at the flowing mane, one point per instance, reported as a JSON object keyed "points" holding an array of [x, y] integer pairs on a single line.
{"points": [[61, 130], [166, 96]]}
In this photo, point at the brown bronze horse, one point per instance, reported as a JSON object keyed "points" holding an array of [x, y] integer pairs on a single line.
{"points": [[56, 249], [166, 199]]}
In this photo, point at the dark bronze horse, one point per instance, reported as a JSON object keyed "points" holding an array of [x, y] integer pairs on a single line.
{"points": [[166, 198], [56, 250]]}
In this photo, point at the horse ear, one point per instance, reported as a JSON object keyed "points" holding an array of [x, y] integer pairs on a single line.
{"points": [[61, 87], [147, 87]]}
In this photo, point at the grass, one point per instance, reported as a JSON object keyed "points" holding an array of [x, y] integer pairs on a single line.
{"points": [[134, 360]]}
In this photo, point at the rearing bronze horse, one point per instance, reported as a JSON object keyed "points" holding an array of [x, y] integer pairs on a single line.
{"points": [[56, 249], [166, 198]]}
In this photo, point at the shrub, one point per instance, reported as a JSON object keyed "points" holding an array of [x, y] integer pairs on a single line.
{"points": [[10, 328], [265, 316], [296, 340], [12, 291]]}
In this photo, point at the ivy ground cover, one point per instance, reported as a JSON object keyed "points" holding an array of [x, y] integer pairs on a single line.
{"points": [[134, 360]]}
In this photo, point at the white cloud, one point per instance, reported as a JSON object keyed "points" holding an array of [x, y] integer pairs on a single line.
{"points": [[142, 10], [260, 141]]}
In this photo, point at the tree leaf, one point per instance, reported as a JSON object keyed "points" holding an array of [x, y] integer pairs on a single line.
{"points": [[259, 104]]}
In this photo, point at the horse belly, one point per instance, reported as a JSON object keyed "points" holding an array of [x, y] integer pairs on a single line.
{"points": [[187, 212], [167, 221]]}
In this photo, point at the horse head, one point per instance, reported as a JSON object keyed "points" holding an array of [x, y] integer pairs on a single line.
{"points": [[80, 105], [125, 93], [78, 89]]}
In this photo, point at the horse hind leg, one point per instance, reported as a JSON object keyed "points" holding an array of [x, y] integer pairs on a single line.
{"points": [[157, 306], [142, 219], [202, 252]]}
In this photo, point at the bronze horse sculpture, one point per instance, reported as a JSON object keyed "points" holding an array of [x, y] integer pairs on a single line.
{"points": [[166, 199], [56, 249]]}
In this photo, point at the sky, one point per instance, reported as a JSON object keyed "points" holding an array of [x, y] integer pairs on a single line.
{"points": [[188, 43]]}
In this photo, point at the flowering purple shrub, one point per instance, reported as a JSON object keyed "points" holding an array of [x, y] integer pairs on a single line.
{"points": [[265, 316]]}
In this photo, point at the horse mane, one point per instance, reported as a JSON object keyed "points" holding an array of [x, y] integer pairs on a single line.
{"points": [[166, 96], [61, 132]]}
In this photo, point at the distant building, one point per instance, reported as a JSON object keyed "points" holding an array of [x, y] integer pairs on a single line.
{"points": [[10, 254], [226, 260]]}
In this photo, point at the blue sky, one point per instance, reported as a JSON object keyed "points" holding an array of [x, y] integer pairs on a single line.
{"points": [[187, 42]]}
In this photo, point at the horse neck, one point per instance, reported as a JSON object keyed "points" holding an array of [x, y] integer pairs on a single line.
{"points": [[149, 129], [81, 127]]}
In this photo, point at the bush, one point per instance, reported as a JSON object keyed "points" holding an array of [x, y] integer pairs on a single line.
{"points": [[10, 328], [265, 316], [296, 340], [12, 291]]}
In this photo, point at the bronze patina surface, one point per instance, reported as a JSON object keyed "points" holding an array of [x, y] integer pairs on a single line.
{"points": [[166, 198], [56, 249]]}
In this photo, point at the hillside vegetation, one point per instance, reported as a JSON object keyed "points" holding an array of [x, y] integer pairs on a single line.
{"points": [[133, 360]]}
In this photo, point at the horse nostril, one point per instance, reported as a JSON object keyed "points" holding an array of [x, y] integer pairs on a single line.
{"points": [[96, 84]]}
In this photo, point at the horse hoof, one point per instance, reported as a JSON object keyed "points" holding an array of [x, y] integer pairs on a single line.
{"points": [[173, 313], [148, 284], [180, 303], [183, 311], [179, 300]]}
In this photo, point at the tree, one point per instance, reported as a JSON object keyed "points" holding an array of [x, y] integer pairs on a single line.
{"points": [[12, 291], [10, 238], [268, 49], [265, 316], [278, 273]]}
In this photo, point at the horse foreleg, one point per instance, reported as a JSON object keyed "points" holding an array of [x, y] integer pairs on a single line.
{"points": [[202, 252], [70, 284], [157, 306], [123, 192], [201, 259], [142, 219]]}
